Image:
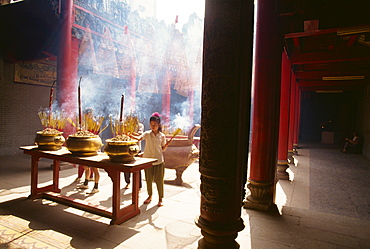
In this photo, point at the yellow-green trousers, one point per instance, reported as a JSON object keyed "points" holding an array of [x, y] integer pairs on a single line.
{"points": [[156, 174]]}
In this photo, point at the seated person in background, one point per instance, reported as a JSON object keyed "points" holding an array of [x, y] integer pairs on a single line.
{"points": [[351, 143]]}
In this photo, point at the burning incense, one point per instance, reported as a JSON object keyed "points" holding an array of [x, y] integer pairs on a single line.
{"points": [[43, 115], [51, 101], [122, 103], [51, 96], [90, 124], [55, 120], [128, 126], [112, 126], [93, 124], [178, 130], [71, 121], [101, 130], [79, 104]]}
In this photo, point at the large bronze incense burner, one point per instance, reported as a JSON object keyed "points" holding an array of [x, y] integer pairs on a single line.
{"points": [[49, 139], [84, 143], [122, 148], [181, 153], [121, 151]]}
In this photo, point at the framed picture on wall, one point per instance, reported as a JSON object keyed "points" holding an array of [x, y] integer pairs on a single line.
{"points": [[36, 72]]}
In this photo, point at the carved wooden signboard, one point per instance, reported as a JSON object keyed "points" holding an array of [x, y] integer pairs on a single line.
{"points": [[35, 73]]}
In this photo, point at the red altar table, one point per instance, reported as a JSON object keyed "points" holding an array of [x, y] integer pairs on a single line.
{"points": [[52, 192]]}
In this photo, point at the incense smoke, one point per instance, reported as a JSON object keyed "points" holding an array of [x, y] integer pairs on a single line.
{"points": [[147, 63]]}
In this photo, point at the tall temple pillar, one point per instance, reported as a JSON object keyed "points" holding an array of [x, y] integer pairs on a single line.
{"points": [[166, 106], [133, 88], [132, 76], [292, 117], [297, 116], [226, 94], [283, 162], [266, 97], [67, 70], [191, 106]]}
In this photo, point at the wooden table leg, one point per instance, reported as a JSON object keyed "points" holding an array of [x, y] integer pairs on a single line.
{"points": [[115, 176], [35, 190], [34, 176], [56, 169], [135, 189], [119, 214]]}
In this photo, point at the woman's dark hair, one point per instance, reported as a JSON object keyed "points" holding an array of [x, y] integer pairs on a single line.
{"points": [[158, 120]]}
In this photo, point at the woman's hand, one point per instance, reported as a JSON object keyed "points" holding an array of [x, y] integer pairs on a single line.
{"points": [[133, 137], [166, 145]]}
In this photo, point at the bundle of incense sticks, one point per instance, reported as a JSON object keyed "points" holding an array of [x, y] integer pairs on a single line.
{"points": [[93, 124], [128, 126], [55, 120], [90, 123], [177, 131]]}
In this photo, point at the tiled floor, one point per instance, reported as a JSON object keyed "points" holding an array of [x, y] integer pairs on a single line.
{"points": [[308, 216]]}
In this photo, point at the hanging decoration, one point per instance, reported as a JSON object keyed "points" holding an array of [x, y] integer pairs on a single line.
{"points": [[176, 65], [148, 63], [126, 58], [87, 57], [195, 77], [106, 57], [194, 51]]}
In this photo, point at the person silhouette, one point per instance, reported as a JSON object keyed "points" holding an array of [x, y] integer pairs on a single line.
{"points": [[351, 143]]}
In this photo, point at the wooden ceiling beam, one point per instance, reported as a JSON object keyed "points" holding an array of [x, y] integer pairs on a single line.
{"points": [[334, 66], [329, 57], [331, 83], [331, 88], [320, 74], [352, 39], [310, 33]]}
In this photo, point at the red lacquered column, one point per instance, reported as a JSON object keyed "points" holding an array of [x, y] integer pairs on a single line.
{"points": [[191, 106], [283, 163], [297, 117], [166, 107], [292, 117], [67, 64], [266, 97], [133, 86]]}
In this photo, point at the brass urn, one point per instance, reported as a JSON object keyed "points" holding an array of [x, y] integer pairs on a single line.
{"points": [[121, 151], [84, 145], [49, 141]]}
